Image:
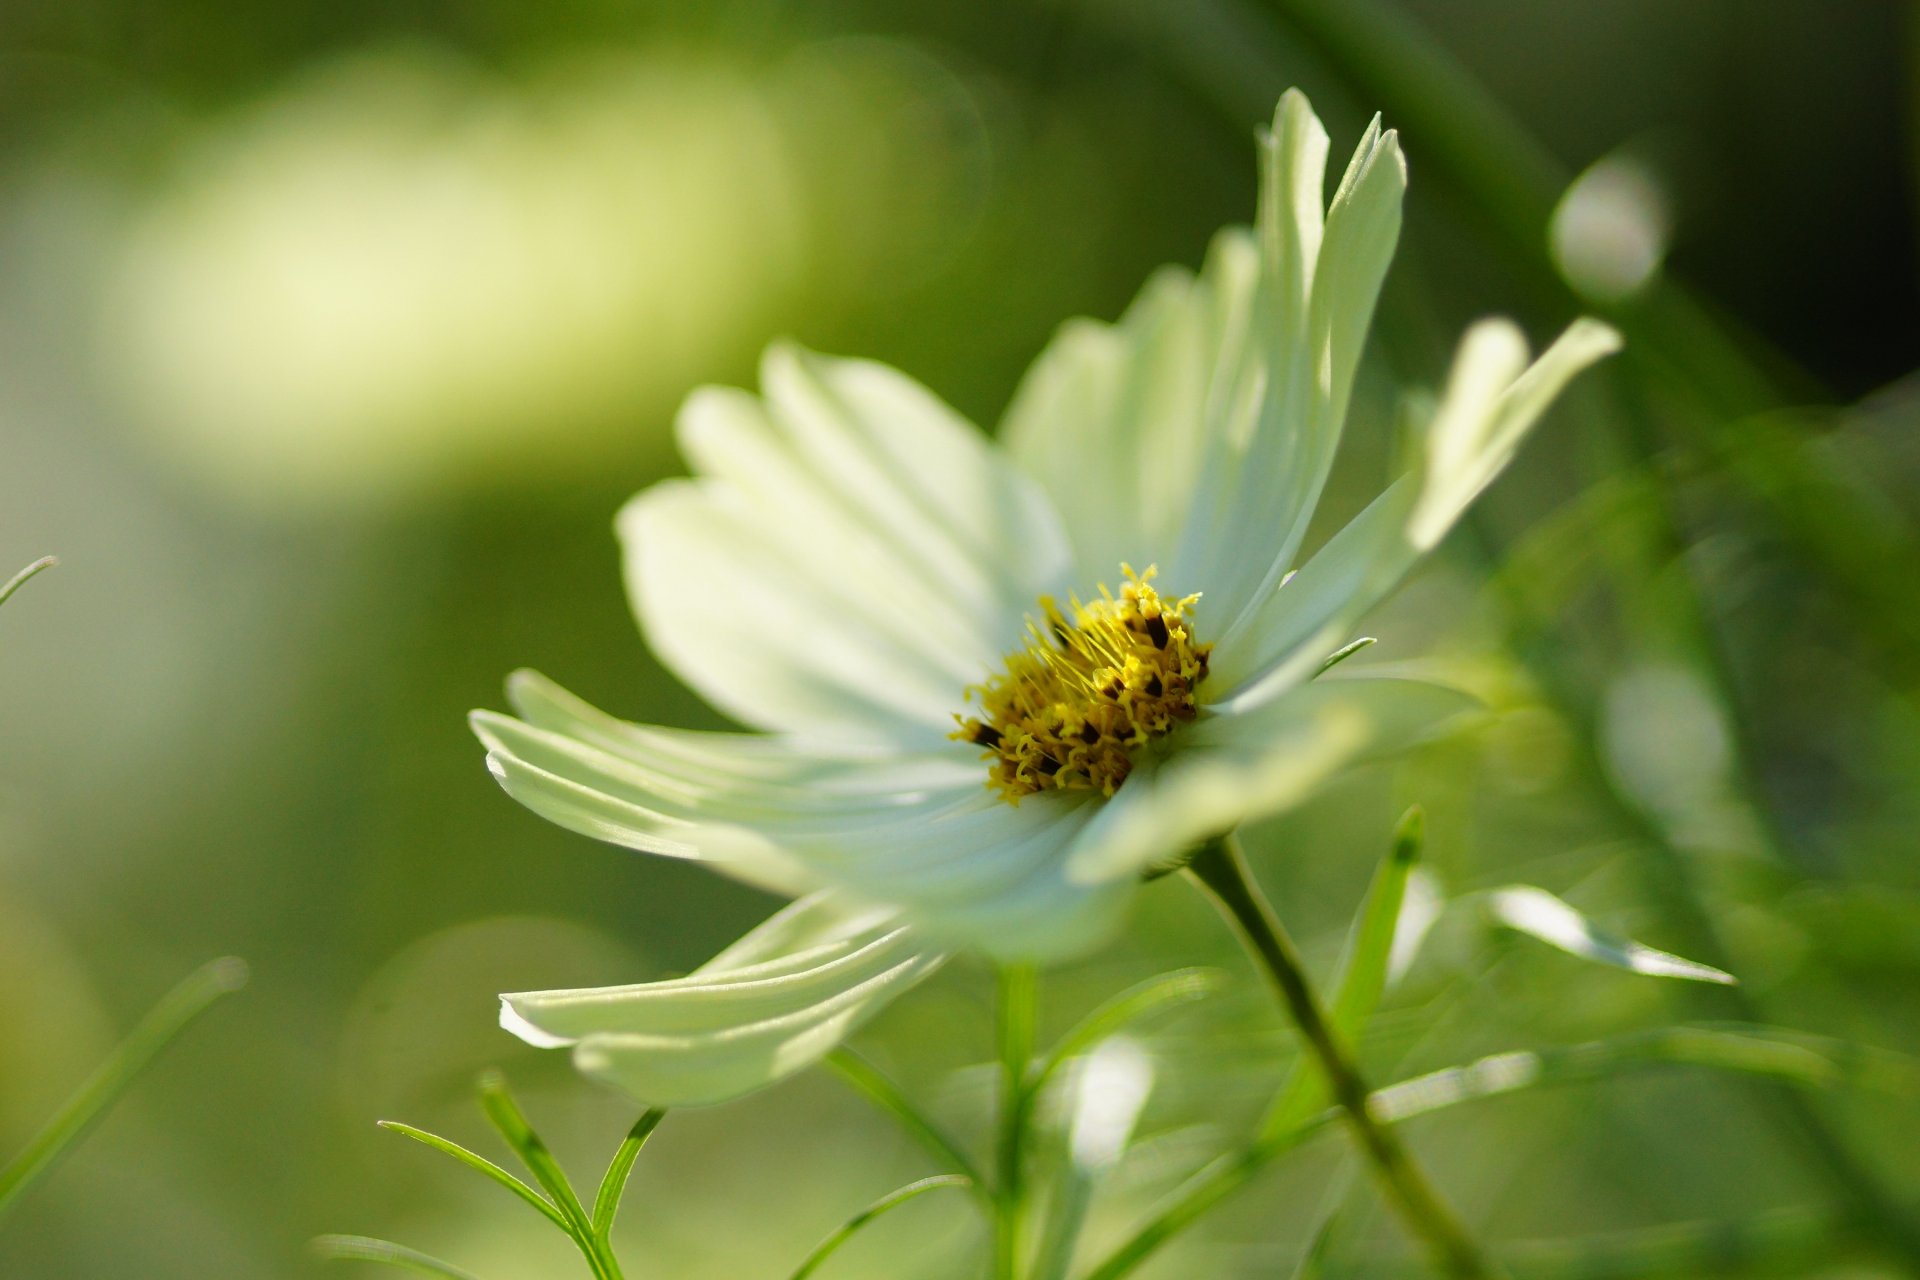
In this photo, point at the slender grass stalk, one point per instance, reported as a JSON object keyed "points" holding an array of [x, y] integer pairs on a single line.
{"points": [[606, 1204], [1143, 1000], [884, 1204], [1221, 870], [179, 1007], [1363, 970], [481, 1165], [505, 1113], [889, 1097], [1015, 1032], [386, 1253], [19, 579]]}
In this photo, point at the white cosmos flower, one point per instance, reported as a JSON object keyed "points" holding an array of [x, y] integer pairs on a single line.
{"points": [[852, 561]]}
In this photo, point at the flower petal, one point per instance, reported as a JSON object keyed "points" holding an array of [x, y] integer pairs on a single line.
{"points": [[920, 831], [1492, 398], [1319, 281], [1232, 769], [1109, 416], [853, 556], [776, 1001]]}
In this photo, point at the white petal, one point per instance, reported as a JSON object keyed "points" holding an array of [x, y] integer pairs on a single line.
{"points": [[853, 556], [1228, 770], [1318, 287], [1110, 417], [776, 1001], [1489, 405], [920, 831], [1492, 399]]}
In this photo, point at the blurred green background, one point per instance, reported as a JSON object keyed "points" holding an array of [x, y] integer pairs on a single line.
{"points": [[332, 335]]}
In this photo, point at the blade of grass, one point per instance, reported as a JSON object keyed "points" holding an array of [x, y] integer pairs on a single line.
{"points": [[606, 1205], [1156, 994], [19, 579], [387, 1253], [1363, 970], [874, 1084], [505, 1114], [891, 1201], [179, 1007], [480, 1164]]}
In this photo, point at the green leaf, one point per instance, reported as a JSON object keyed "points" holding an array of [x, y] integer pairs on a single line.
{"points": [[1810, 1061], [872, 1211], [19, 579], [367, 1249], [1344, 652], [1154, 996], [1539, 914], [482, 1165], [505, 1115], [1364, 970], [870, 1081], [168, 1019], [606, 1205]]}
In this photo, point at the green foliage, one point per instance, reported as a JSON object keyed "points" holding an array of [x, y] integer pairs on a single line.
{"points": [[177, 1009], [555, 1200]]}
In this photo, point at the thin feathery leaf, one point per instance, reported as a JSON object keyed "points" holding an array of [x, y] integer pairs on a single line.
{"points": [[1156, 995], [1363, 970], [505, 1115], [167, 1020], [875, 1085], [480, 1164], [386, 1253], [1538, 914], [1344, 652], [19, 579], [887, 1202], [606, 1205]]}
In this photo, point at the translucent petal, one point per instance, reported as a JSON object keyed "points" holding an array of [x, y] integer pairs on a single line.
{"points": [[1232, 769], [1109, 416], [1319, 282], [1492, 399], [775, 1002], [920, 831], [851, 557]]}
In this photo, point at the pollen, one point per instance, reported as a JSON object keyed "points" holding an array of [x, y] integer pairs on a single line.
{"points": [[1096, 683]]}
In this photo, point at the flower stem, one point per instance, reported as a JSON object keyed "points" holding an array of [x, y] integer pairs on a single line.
{"points": [[1015, 1043], [1221, 870]]}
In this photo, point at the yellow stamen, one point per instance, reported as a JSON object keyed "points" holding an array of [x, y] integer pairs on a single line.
{"points": [[1090, 688]]}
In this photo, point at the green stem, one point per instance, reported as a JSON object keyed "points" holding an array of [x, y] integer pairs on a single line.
{"points": [[1015, 1028], [1222, 871]]}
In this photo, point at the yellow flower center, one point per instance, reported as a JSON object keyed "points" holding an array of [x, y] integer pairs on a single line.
{"points": [[1091, 687]]}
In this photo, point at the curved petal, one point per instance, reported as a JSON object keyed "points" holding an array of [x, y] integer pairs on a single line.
{"points": [[1234, 769], [774, 1002], [1273, 441], [1108, 417], [920, 831], [852, 556], [1492, 398]]}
